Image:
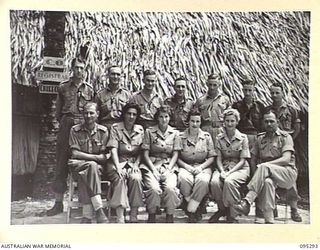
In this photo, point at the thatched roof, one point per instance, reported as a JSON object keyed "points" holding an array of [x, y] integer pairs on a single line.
{"points": [[266, 46]]}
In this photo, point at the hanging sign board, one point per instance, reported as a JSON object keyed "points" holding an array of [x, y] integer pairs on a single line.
{"points": [[48, 89], [54, 62], [52, 76]]}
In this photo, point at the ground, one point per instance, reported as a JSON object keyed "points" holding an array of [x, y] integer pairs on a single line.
{"points": [[30, 211]]}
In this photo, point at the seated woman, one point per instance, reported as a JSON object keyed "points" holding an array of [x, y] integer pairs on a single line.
{"points": [[195, 162], [125, 141], [160, 146], [233, 168]]}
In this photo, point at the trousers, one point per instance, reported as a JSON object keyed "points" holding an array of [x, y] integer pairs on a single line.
{"points": [[127, 191], [265, 180], [227, 193], [195, 187], [163, 193]]}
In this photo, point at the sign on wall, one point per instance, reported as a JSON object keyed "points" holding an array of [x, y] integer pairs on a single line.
{"points": [[52, 76], [48, 88], [54, 62]]}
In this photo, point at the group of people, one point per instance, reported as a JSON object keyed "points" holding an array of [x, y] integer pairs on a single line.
{"points": [[175, 152]]}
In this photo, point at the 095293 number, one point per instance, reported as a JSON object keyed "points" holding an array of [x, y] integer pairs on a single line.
{"points": [[308, 246]]}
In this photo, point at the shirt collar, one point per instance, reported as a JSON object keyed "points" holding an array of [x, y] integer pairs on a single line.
{"points": [[214, 98], [92, 132], [237, 135], [157, 130], [186, 134]]}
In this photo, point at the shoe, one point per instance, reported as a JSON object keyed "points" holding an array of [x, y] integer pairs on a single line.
{"points": [[259, 213], [133, 219], [158, 212], [169, 218], [275, 212], [85, 220], [202, 208], [268, 222], [295, 216], [232, 220], [192, 218], [243, 207], [152, 218], [101, 217], [198, 216], [216, 216], [56, 209]]}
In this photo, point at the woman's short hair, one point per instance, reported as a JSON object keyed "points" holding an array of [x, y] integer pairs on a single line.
{"points": [[231, 111], [162, 109], [130, 106], [193, 112]]}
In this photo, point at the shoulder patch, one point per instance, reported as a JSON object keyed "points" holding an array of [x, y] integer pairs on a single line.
{"points": [[283, 133], [76, 127], [261, 134], [101, 127]]}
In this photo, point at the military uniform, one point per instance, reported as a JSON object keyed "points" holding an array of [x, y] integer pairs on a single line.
{"points": [[128, 146], [288, 117], [161, 147], [180, 108], [148, 107], [71, 100], [231, 151], [110, 105], [195, 153], [250, 119], [269, 176], [88, 172], [211, 111]]}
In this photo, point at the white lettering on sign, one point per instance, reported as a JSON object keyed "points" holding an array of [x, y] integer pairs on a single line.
{"points": [[54, 62], [52, 76], [48, 89]]}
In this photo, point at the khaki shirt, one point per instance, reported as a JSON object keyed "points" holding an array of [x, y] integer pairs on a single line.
{"points": [[111, 104], [212, 108], [180, 110], [234, 149], [271, 148], [161, 145], [287, 116], [71, 99], [92, 142], [128, 145], [198, 151], [148, 106]]}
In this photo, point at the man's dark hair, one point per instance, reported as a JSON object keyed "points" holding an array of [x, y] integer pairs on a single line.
{"points": [[277, 84], [214, 76], [113, 66], [149, 72], [77, 59]]}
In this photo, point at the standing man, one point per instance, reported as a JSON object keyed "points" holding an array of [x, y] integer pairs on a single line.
{"points": [[71, 99], [180, 105], [111, 99], [275, 154], [211, 106], [88, 153], [147, 99], [288, 121], [251, 111]]}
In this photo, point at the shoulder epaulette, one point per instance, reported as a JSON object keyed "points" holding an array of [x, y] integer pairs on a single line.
{"points": [[101, 127], [77, 127]]}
